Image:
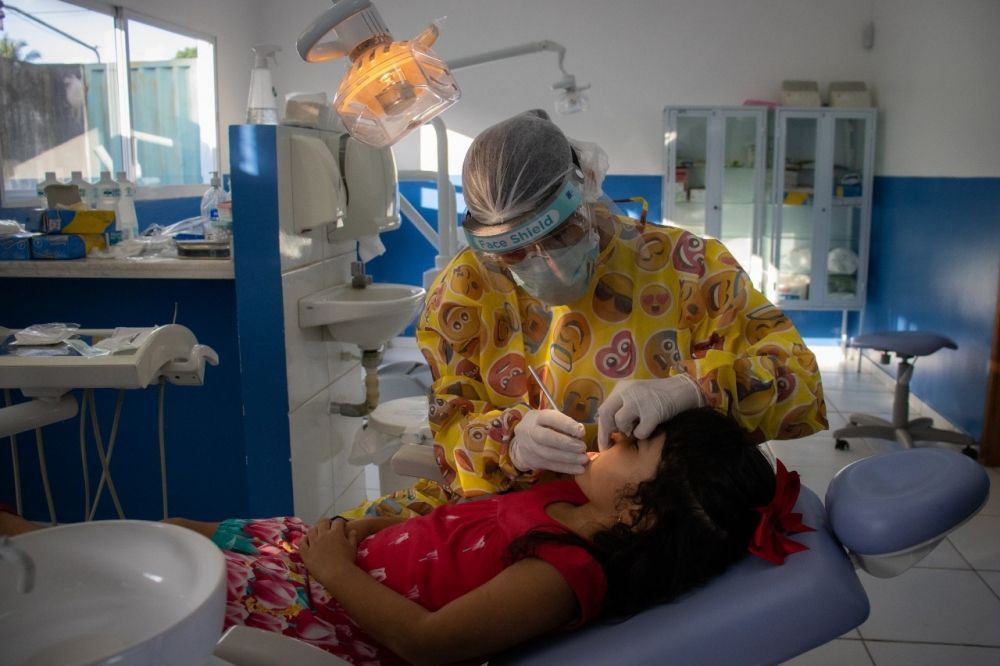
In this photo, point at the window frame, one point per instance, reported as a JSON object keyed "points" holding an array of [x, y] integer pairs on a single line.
{"points": [[121, 16]]}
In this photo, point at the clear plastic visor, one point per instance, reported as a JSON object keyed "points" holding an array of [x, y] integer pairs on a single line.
{"points": [[570, 232]]}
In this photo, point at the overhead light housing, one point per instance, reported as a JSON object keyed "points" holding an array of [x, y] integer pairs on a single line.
{"points": [[391, 87], [571, 98]]}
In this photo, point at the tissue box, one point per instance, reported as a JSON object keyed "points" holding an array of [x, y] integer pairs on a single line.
{"points": [[58, 246], [16, 247], [77, 221]]}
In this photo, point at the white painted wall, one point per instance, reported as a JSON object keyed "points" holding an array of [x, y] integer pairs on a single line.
{"points": [[932, 68], [938, 88]]}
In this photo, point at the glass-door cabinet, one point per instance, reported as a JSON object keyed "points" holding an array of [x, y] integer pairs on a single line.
{"points": [[713, 184], [815, 240]]}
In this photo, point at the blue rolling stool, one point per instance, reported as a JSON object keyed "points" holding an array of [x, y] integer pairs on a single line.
{"points": [[905, 345]]}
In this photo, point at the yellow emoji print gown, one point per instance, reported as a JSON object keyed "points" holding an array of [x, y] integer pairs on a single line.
{"points": [[662, 301]]}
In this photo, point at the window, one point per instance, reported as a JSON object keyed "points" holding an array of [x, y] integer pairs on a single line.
{"points": [[68, 103]]}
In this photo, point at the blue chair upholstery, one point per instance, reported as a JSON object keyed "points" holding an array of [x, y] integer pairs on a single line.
{"points": [[894, 506], [755, 613], [905, 345]]}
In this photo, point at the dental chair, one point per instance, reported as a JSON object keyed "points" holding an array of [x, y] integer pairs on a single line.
{"points": [[905, 345], [881, 514]]}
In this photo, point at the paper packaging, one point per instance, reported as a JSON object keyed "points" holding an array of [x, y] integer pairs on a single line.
{"points": [[370, 247], [16, 247], [58, 246], [77, 221]]}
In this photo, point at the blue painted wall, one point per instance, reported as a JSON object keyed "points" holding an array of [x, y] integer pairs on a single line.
{"points": [[204, 435], [206, 459], [934, 265]]}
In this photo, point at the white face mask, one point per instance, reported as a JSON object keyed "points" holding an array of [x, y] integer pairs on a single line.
{"points": [[561, 276]]}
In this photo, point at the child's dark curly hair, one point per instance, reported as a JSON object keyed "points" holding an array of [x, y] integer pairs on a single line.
{"points": [[699, 509]]}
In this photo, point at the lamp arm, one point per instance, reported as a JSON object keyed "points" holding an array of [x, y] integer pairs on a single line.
{"points": [[510, 52], [51, 27]]}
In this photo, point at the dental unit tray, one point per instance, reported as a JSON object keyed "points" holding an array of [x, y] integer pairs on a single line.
{"points": [[140, 357]]}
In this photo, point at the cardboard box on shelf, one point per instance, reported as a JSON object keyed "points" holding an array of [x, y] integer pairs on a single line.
{"points": [[849, 94], [77, 221], [800, 93]]}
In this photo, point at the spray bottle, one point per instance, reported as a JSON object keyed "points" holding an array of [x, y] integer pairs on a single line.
{"points": [[262, 108]]}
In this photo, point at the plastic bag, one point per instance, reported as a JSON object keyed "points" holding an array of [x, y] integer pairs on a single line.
{"points": [[45, 334]]}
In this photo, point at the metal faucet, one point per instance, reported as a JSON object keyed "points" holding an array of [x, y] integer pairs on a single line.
{"points": [[20, 559], [359, 279]]}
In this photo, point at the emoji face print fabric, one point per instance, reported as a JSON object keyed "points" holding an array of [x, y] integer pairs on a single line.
{"points": [[662, 301]]}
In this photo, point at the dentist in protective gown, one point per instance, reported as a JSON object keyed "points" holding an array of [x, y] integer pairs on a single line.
{"points": [[626, 324]]}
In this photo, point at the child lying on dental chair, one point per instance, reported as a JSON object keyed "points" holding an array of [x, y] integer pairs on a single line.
{"points": [[645, 522]]}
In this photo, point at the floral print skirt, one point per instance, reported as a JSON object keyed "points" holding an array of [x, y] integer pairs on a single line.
{"points": [[268, 587]]}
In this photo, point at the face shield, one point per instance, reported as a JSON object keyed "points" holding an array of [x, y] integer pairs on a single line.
{"points": [[550, 251]]}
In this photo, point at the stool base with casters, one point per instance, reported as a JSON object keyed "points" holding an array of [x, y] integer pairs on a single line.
{"points": [[905, 345]]}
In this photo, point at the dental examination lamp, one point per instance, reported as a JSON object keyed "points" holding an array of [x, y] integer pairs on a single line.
{"points": [[571, 99], [391, 87]]}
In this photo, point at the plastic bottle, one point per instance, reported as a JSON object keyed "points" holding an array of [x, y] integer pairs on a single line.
{"points": [[262, 107], [224, 225], [108, 192], [210, 207], [126, 219], [50, 179], [85, 187]]}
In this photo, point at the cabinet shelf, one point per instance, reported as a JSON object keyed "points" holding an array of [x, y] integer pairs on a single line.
{"points": [[826, 231], [790, 221]]}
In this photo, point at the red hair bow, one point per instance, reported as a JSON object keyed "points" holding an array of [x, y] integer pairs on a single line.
{"points": [[770, 540]]}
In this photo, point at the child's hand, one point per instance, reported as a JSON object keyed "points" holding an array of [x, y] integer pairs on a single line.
{"points": [[363, 528], [327, 547]]}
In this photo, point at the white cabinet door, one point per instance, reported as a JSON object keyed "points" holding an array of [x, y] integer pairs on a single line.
{"points": [[820, 208], [715, 160]]}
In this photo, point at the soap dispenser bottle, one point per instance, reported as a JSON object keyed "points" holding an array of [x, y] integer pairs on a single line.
{"points": [[262, 108]]}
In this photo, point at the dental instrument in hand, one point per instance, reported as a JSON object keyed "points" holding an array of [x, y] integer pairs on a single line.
{"points": [[544, 389]]}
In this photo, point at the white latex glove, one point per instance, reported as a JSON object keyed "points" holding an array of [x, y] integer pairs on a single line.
{"points": [[548, 439], [636, 406]]}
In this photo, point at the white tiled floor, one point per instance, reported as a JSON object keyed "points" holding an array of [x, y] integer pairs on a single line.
{"points": [[946, 610]]}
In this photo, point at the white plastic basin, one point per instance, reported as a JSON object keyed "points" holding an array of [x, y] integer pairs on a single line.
{"points": [[114, 592], [365, 317]]}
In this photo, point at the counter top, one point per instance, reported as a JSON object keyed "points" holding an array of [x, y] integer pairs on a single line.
{"points": [[175, 269]]}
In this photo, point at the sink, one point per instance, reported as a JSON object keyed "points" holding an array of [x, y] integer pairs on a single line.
{"points": [[115, 591], [365, 317]]}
